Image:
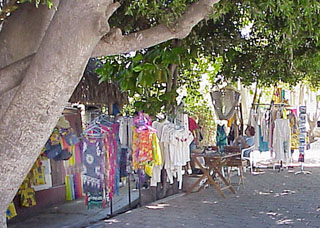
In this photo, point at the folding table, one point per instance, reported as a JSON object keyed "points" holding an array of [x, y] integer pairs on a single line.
{"points": [[213, 162]]}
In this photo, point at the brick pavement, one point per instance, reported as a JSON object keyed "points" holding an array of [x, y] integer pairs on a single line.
{"points": [[271, 199]]}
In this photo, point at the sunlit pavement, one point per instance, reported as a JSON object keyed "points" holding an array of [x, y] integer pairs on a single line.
{"points": [[311, 158], [269, 199]]}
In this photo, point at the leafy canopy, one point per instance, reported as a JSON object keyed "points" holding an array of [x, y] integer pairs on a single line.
{"points": [[280, 44]]}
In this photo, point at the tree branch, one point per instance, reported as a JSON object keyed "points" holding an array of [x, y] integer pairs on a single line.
{"points": [[114, 43]]}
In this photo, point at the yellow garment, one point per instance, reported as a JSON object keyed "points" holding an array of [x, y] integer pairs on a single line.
{"points": [[27, 194], [294, 132], [68, 188], [37, 173], [230, 121], [38, 176], [284, 114], [157, 155], [135, 147], [276, 97], [72, 159], [28, 197], [11, 211], [294, 141], [148, 169]]}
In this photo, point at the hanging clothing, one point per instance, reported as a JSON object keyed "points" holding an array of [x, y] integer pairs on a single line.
{"points": [[281, 139], [112, 147], [263, 146], [294, 130], [142, 152], [157, 161], [93, 174], [27, 193], [175, 143], [254, 120], [59, 145], [221, 138], [224, 102], [265, 125], [146, 151]]}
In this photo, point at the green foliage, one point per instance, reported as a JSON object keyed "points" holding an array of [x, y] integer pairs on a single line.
{"points": [[281, 44], [144, 76], [141, 14], [38, 2]]}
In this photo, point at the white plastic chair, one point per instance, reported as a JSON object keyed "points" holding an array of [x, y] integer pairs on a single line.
{"points": [[250, 158]]}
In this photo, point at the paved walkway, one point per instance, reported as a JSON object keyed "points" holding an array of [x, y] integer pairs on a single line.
{"points": [[270, 199], [73, 213]]}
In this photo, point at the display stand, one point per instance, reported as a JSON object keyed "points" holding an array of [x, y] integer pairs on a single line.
{"points": [[301, 171], [302, 139]]}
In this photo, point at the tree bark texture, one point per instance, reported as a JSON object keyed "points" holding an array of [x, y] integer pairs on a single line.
{"points": [[49, 82], [5, 100], [12, 75], [17, 40], [3, 221]]}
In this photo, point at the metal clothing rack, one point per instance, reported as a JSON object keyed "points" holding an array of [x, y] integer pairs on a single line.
{"points": [[281, 105]]}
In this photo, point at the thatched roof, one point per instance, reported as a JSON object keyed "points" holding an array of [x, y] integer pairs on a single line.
{"points": [[89, 91]]}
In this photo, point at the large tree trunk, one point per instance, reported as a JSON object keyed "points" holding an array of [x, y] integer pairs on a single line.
{"points": [[48, 84]]}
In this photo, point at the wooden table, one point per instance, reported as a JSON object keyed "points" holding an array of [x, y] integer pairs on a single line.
{"points": [[213, 162]]}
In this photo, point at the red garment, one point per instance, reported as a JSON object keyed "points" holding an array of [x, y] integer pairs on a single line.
{"points": [[192, 124]]}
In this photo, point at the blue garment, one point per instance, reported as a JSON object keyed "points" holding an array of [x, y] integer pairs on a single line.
{"points": [[93, 163], [123, 162], [71, 139], [92, 176], [52, 151], [221, 137], [263, 146]]}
